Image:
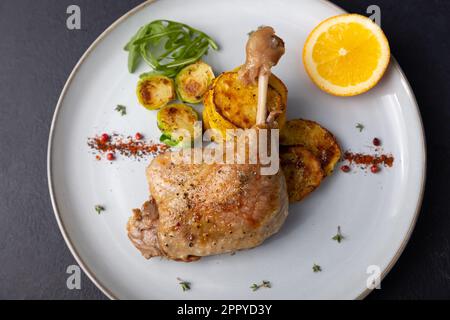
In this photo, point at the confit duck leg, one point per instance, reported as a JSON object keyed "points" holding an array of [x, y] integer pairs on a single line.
{"points": [[204, 209]]}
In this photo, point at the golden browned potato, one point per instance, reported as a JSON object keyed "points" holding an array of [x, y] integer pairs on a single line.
{"points": [[313, 137], [230, 104], [302, 170], [205, 119], [213, 120]]}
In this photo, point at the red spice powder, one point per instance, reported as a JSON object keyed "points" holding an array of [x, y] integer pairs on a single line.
{"points": [[368, 159], [126, 146]]}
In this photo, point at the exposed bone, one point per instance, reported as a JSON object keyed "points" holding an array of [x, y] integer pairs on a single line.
{"points": [[263, 84]]}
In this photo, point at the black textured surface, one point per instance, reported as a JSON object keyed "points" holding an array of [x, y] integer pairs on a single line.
{"points": [[37, 54]]}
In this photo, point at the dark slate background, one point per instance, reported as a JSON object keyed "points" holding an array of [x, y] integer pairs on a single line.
{"points": [[37, 53]]}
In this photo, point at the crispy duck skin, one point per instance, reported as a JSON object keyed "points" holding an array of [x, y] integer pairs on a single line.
{"points": [[207, 209], [200, 210], [142, 229]]}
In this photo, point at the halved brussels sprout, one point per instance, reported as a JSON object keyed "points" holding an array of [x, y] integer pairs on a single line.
{"points": [[193, 81], [155, 91], [173, 119]]}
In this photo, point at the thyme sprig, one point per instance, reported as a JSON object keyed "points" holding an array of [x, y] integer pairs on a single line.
{"points": [[360, 126], [99, 208], [338, 237], [264, 284], [185, 286]]}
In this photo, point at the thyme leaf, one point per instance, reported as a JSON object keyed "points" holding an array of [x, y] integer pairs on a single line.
{"points": [[360, 126], [121, 109], [316, 268], [98, 208]]}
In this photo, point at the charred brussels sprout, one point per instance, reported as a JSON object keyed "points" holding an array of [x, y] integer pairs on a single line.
{"points": [[193, 81], [155, 91], [176, 122]]}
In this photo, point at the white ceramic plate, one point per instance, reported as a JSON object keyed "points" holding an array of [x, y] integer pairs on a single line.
{"points": [[377, 212]]}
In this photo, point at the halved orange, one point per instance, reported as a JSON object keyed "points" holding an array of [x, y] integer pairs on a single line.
{"points": [[346, 55]]}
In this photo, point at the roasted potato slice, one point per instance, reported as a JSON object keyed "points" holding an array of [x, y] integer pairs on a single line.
{"points": [[302, 170], [315, 138], [205, 119], [237, 102], [214, 121], [193, 81], [230, 104]]}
